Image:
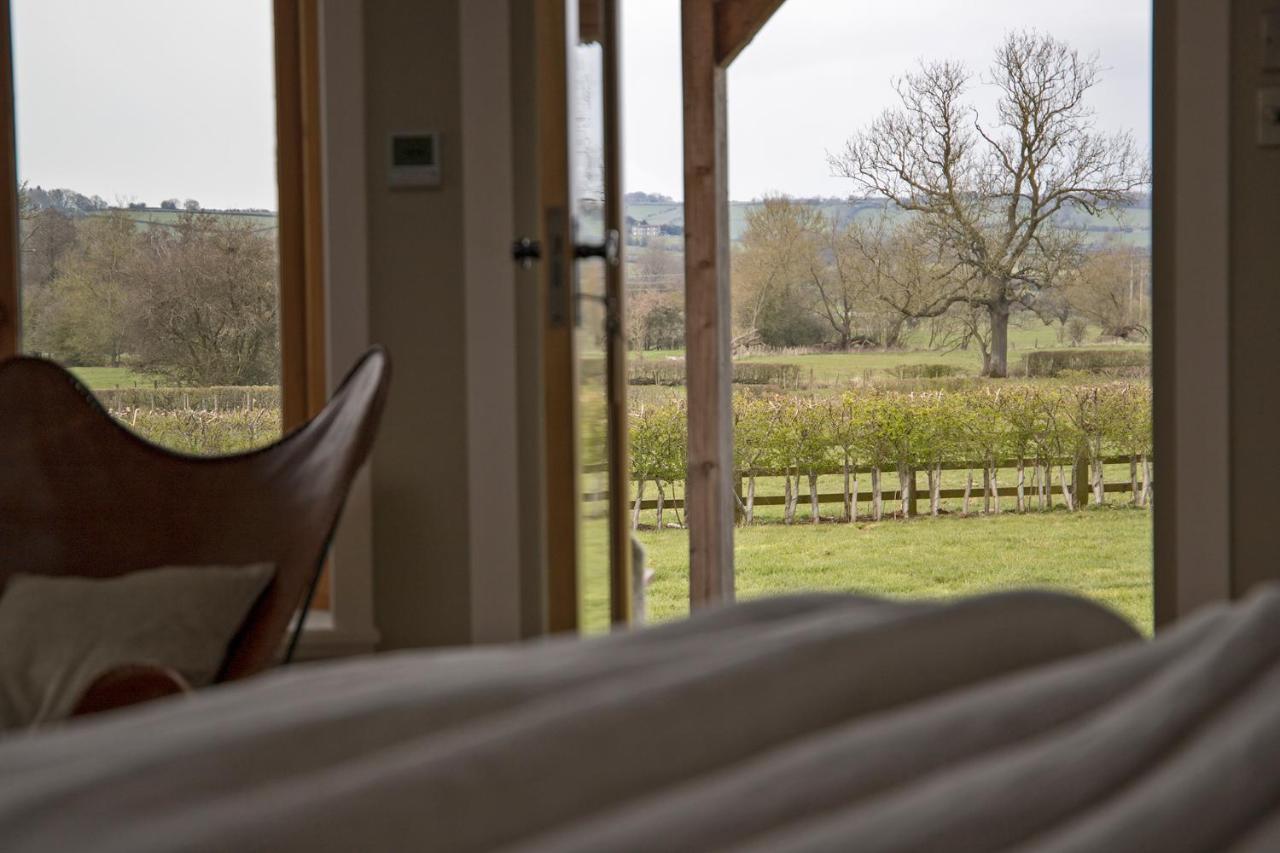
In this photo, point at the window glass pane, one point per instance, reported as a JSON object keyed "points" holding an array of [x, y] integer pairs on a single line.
{"points": [[146, 161]]}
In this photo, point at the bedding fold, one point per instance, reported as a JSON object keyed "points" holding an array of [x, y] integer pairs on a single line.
{"points": [[817, 722]]}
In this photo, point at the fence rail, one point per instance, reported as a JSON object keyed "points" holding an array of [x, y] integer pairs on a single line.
{"points": [[1081, 484]]}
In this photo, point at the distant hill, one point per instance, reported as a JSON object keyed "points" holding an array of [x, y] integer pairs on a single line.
{"points": [[263, 220], [1132, 226]]}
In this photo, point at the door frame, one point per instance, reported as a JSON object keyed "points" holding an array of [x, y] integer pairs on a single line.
{"points": [[559, 25]]}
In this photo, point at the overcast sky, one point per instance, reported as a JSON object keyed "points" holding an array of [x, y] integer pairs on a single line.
{"points": [[821, 70], [151, 99], [147, 99]]}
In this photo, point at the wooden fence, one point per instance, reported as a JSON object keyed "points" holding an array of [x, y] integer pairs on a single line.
{"points": [[1081, 474]]}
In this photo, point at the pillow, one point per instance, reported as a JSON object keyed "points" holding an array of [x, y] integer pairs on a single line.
{"points": [[59, 633]]}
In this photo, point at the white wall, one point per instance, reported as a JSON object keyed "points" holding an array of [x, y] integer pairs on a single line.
{"points": [[429, 549], [487, 212]]}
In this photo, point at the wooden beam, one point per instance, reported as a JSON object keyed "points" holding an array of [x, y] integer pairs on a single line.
{"points": [[291, 183], [621, 599], [737, 22], [10, 312], [709, 493], [559, 365]]}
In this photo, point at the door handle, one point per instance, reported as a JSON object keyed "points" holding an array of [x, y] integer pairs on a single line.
{"points": [[607, 250], [525, 251]]}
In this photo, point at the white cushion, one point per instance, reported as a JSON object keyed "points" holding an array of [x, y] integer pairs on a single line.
{"points": [[59, 634]]}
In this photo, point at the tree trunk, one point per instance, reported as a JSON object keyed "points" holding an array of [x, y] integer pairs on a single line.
{"points": [[968, 490], [998, 364], [1048, 483], [935, 489], [877, 505], [1146, 480], [986, 490], [1068, 491], [995, 487], [635, 511], [813, 497], [848, 508], [1022, 485], [662, 496], [751, 500], [788, 505], [1133, 480], [1099, 481], [905, 490]]}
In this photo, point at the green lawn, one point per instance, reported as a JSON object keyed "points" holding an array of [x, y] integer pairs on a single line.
{"points": [[101, 378], [832, 367], [1103, 553]]}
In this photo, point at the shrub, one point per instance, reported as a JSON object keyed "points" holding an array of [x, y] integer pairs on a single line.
{"points": [[214, 399], [765, 373], [672, 373], [1097, 362], [926, 371]]}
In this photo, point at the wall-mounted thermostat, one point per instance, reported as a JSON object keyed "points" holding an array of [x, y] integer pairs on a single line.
{"points": [[415, 160]]}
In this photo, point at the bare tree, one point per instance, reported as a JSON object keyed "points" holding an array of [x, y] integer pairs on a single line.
{"points": [[987, 195], [771, 272], [1110, 289]]}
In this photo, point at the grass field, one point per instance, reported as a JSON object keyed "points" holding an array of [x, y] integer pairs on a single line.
{"points": [[101, 378], [1102, 553], [833, 367]]}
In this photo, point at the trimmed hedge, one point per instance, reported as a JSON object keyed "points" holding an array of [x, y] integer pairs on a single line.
{"points": [[671, 373], [1100, 362], [927, 371], [885, 429]]}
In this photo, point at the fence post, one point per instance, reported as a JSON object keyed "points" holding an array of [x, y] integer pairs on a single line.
{"points": [[1080, 479]]}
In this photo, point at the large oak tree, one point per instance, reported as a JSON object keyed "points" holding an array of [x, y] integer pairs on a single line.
{"points": [[988, 194]]}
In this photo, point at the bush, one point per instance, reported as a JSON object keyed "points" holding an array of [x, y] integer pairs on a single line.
{"points": [[672, 373], [889, 428], [216, 399], [204, 432], [764, 373], [669, 373], [926, 371], [1095, 362]]}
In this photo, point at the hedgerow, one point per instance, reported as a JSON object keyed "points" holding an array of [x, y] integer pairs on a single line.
{"points": [[1045, 431]]}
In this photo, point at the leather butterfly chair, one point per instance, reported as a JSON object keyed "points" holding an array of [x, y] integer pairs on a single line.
{"points": [[82, 495]]}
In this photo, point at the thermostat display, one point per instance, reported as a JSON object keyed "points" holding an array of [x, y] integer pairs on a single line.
{"points": [[415, 160]]}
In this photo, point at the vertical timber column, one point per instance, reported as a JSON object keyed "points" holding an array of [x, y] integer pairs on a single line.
{"points": [[709, 489], [10, 310]]}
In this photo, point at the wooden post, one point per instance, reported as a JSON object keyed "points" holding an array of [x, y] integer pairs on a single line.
{"points": [[709, 488], [10, 312], [1080, 480], [714, 32]]}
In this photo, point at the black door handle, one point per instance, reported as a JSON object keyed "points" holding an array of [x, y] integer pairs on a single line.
{"points": [[525, 251]]}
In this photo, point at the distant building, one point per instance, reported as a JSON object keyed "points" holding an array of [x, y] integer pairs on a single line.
{"points": [[641, 230]]}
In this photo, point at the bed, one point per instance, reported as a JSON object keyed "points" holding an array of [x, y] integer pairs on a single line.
{"points": [[1023, 720]]}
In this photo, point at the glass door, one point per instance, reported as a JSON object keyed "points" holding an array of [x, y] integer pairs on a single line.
{"points": [[583, 351]]}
